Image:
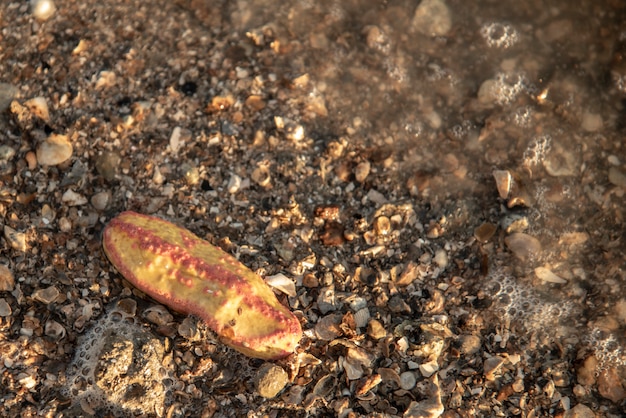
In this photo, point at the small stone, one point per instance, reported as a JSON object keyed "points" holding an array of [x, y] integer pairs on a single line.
{"points": [[31, 160], [407, 380], [234, 184], [43, 9], [547, 275], [617, 177], [361, 171], [441, 258], [484, 232], [190, 173], [428, 369], [271, 379], [17, 240], [470, 344], [6, 153], [261, 176], [327, 328], [610, 385], [432, 18], [579, 411], [100, 201], [107, 164], [7, 280], [56, 149], [376, 330], [71, 198], [178, 138], [7, 93], [39, 108], [522, 245], [255, 102], [158, 315], [410, 273], [5, 308], [47, 295], [491, 367], [586, 373], [54, 330], [591, 122], [430, 406]]}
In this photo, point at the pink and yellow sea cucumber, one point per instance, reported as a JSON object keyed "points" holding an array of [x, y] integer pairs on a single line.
{"points": [[188, 274]]}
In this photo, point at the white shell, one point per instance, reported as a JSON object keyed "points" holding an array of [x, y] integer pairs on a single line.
{"points": [[548, 276], [504, 182], [283, 283]]}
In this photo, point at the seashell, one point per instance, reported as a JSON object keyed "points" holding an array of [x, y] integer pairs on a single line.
{"points": [[547, 275], [362, 317], [283, 283], [504, 182], [511, 189]]}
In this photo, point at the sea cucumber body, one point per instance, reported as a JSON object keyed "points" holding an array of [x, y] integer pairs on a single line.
{"points": [[188, 274]]}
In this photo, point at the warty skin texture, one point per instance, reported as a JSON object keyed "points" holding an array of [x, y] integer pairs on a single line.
{"points": [[188, 274]]}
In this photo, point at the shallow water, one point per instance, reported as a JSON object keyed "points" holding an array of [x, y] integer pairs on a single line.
{"points": [[535, 89]]}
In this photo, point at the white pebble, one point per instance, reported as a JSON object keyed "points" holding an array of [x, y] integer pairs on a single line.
{"points": [[43, 9], [234, 184], [441, 258]]}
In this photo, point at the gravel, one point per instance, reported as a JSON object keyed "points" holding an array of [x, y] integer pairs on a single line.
{"points": [[436, 190]]}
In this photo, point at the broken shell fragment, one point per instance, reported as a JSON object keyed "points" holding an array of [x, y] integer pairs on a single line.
{"points": [[511, 188], [190, 275]]}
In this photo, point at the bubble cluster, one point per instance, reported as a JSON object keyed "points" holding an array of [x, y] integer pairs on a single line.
{"points": [[523, 116], [118, 368], [499, 35], [524, 305], [606, 349], [502, 89], [536, 150]]}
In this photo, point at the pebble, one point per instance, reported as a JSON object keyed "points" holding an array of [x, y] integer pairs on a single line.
{"points": [[7, 93], [523, 245], [234, 184], [376, 330], [407, 380], [56, 149], [470, 344], [430, 406], [100, 201], [428, 369], [484, 232], [586, 372], [591, 122], [107, 164], [43, 9], [579, 411], [54, 330], [5, 308], [432, 18], [71, 198], [17, 240], [38, 107], [271, 379], [441, 258], [610, 385], [158, 315], [617, 177], [6, 153], [361, 171], [491, 367], [176, 139], [47, 295], [7, 280], [548, 276]]}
